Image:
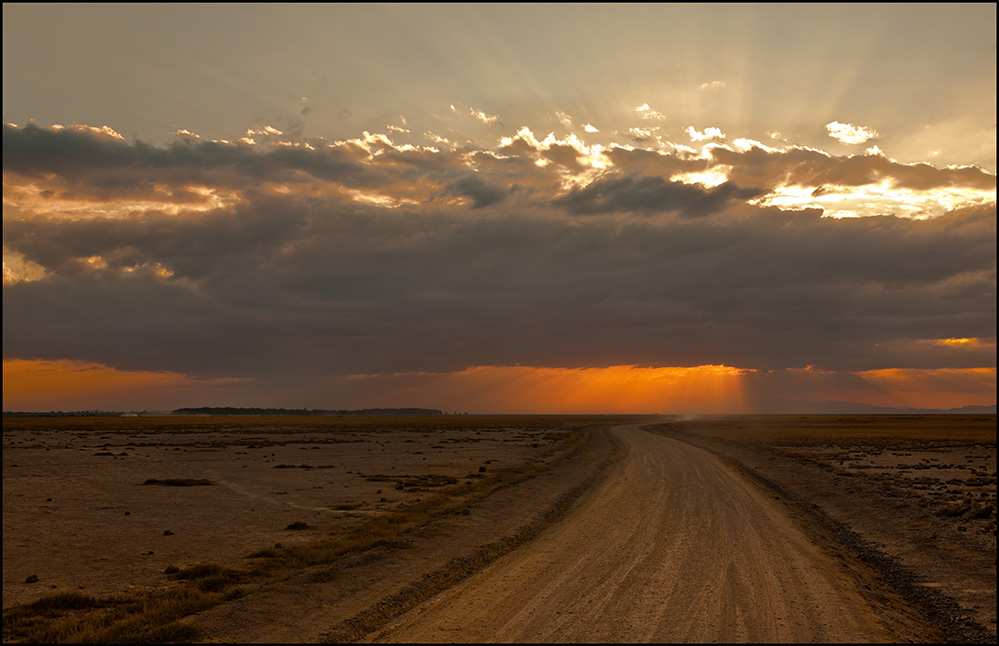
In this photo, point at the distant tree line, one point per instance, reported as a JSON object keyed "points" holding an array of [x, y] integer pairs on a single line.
{"points": [[229, 410]]}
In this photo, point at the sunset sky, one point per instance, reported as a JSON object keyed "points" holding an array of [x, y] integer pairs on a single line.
{"points": [[593, 208]]}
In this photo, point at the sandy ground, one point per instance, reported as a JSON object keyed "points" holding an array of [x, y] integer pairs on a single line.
{"points": [[673, 547], [77, 515], [921, 505], [653, 539]]}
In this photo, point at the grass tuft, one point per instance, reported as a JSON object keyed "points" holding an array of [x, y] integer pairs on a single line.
{"points": [[179, 482]]}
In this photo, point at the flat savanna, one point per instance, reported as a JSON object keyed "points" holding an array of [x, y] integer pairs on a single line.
{"points": [[356, 528]]}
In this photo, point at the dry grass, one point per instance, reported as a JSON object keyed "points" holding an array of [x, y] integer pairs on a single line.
{"points": [[59, 619], [871, 430], [385, 531], [156, 617], [278, 424], [78, 618], [179, 482]]}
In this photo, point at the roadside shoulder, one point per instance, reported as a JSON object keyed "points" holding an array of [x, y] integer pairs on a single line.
{"points": [[371, 589], [892, 585]]}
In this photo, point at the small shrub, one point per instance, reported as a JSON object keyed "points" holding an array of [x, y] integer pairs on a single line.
{"points": [[956, 509], [64, 601], [179, 482], [212, 577]]}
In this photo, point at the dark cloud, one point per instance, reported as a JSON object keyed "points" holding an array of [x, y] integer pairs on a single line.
{"points": [[311, 281], [650, 195], [806, 167], [480, 192]]}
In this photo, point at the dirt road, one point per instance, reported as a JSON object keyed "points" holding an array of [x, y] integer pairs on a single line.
{"points": [[672, 546]]}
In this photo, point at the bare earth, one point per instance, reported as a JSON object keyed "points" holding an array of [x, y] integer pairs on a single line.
{"points": [[673, 547], [647, 532]]}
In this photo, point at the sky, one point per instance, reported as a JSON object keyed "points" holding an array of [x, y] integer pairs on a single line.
{"points": [[512, 208]]}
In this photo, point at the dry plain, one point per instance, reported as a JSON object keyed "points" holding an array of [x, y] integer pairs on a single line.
{"points": [[394, 515]]}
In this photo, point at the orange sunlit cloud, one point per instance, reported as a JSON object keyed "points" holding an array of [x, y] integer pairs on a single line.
{"points": [[614, 389], [635, 389], [964, 343], [623, 389], [32, 385]]}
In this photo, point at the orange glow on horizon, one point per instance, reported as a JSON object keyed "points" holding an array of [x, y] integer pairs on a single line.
{"points": [[614, 389], [942, 388], [37, 385]]}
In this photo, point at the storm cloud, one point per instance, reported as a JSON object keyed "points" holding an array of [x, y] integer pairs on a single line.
{"points": [[311, 259]]}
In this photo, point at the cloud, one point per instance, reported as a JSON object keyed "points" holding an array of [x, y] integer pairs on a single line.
{"points": [[651, 195], [648, 113], [610, 389], [290, 261], [27, 386], [481, 193], [848, 133], [708, 133], [488, 119]]}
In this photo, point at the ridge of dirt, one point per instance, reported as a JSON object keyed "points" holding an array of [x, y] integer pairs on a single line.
{"points": [[886, 580], [459, 568], [362, 593]]}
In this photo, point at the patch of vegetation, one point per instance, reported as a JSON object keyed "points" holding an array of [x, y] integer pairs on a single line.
{"points": [[77, 618], [157, 617], [427, 480], [179, 482], [262, 554], [212, 577], [897, 432]]}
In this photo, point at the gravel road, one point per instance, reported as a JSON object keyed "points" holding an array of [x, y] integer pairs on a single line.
{"points": [[673, 546]]}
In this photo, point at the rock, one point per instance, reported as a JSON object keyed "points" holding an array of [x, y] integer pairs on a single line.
{"points": [[167, 533], [466, 511], [170, 569], [399, 485], [32, 579], [482, 469]]}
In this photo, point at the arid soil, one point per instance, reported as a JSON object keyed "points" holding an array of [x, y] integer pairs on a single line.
{"points": [[913, 497], [78, 516], [672, 547], [631, 536]]}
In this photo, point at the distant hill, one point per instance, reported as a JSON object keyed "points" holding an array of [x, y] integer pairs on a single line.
{"points": [[228, 410]]}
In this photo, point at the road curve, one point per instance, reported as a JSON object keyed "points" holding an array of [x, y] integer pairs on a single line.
{"points": [[672, 547]]}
